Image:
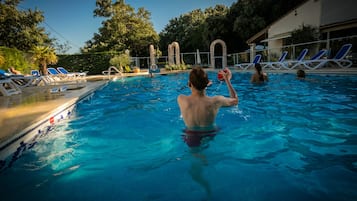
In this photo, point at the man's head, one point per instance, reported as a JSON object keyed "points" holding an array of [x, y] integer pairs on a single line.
{"points": [[198, 78], [258, 67], [300, 74]]}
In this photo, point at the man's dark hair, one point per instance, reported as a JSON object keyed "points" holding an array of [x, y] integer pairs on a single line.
{"points": [[300, 74], [198, 78], [259, 69]]}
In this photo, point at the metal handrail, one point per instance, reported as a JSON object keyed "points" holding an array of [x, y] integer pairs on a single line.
{"points": [[115, 70]]}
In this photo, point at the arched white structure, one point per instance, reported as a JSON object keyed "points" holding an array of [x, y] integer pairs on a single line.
{"points": [[170, 55], [224, 52], [174, 51], [152, 55], [153, 67]]}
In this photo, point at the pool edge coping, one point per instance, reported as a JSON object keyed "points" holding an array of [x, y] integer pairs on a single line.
{"points": [[47, 117]]}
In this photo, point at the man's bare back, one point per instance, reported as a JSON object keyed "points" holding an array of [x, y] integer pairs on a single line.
{"points": [[198, 110]]}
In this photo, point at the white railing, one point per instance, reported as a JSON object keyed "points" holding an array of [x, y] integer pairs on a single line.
{"points": [[110, 70], [331, 45], [190, 58]]}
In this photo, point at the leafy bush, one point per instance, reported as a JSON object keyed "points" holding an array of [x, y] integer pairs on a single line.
{"points": [[15, 58], [177, 67], [120, 60], [92, 63]]}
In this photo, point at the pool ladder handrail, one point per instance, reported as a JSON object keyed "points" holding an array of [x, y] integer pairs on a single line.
{"points": [[109, 71]]}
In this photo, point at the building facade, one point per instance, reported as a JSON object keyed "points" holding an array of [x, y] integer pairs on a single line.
{"points": [[333, 18]]}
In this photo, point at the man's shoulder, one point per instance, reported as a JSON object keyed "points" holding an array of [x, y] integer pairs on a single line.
{"points": [[182, 96], [217, 98]]}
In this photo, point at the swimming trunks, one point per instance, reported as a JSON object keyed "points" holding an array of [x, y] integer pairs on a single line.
{"points": [[194, 138]]}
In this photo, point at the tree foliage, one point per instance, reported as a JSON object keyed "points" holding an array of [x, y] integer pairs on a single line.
{"points": [[2, 59], [249, 20], [306, 33], [42, 56], [61, 48], [20, 29], [234, 25], [92, 63], [12, 57], [250, 16], [196, 29], [123, 29], [120, 61]]}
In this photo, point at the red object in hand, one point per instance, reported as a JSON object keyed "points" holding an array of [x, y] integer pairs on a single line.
{"points": [[220, 75]]}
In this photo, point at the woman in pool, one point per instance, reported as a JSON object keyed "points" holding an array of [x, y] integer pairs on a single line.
{"points": [[199, 110], [300, 74], [259, 76]]}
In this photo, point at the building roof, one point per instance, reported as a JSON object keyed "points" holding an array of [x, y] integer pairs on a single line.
{"points": [[263, 34], [334, 17], [339, 26]]}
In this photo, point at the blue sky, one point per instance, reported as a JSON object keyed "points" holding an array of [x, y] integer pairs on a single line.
{"points": [[73, 21]]}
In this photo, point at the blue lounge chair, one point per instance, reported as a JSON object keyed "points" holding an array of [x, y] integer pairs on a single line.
{"points": [[315, 59], [289, 65], [7, 86], [71, 81], [65, 72], [57, 76], [53, 84], [245, 66], [53, 72], [275, 64], [339, 59], [35, 73], [47, 80], [21, 80]]}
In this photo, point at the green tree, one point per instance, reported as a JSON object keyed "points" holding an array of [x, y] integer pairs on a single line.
{"points": [[61, 48], [306, 33], [215, 24], [120, 61], [2, 59], [123, 29], [234, 25], [13, 57], [248, 17], [42, 56], [196, 29], [20, 29], [249, 21]]}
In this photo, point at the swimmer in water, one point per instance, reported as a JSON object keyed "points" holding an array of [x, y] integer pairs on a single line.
{"points": [[300, 74], [198, 110], [259, 76]]}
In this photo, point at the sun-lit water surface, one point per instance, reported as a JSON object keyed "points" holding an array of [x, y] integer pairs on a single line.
{"points": [[287, 140]]}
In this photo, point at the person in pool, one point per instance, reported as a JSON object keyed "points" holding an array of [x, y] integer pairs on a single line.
{"points": [[300, 74], [259, 76], [198, 110]]}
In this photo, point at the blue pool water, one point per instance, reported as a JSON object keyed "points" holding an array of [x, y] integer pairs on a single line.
{"points": [[286, 140]]}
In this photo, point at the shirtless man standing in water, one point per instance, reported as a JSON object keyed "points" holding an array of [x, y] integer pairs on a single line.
{"points": [[199, 110], [199, 113]]}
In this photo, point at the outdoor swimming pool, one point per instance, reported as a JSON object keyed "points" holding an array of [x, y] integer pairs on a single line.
{"points": [[287, 140]]}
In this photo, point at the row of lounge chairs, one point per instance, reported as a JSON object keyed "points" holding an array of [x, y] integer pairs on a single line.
{"points": [[57, 80], [315, 62]]}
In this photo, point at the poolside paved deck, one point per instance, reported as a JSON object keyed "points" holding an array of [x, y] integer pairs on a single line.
{"points": [[17, 112], [35, 104]]}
